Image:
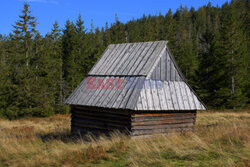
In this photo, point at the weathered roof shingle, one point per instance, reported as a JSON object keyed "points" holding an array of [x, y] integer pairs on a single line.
{"points": [[143, 76]]}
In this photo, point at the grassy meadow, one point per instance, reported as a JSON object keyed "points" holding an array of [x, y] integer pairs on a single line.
{"points": [[219, 139]]}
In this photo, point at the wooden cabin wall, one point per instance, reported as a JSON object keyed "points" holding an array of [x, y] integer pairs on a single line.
{"points": [[96, 121], [153, 123]]}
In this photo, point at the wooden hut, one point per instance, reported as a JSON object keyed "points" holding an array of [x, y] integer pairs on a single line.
{"points": [[136, 88]]}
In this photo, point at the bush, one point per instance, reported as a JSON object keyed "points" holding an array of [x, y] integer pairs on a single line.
{"points": [[47, 111], [10, 113], [64, 109]]}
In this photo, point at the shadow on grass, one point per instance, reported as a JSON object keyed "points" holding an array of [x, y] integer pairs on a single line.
{"points": [[67, 137]]}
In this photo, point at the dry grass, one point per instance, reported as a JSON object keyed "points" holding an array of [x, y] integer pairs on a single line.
{"points": [[220, 139]]}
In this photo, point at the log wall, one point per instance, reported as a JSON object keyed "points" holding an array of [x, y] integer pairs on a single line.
{"points": [[153, 123], [85, 120], [96, 121]]}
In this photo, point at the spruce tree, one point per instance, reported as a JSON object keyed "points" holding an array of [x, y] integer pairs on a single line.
{"points": [[68, 57], [22, 72], [24, 31], [54, 73], [184, 51], [232, 60], [80, 51], [169, 29], [206, 72]]}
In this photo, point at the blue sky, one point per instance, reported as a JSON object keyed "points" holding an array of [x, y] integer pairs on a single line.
{"points": [[100, 11]]}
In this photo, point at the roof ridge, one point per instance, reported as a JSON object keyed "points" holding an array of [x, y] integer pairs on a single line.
{"points": [[109, 75], [139, 42]]}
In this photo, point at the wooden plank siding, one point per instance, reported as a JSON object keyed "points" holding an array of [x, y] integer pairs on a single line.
{"points": [[165, 69]]}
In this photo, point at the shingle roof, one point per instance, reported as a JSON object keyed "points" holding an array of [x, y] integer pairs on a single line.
{"points": [[128, 59], [117, 97], [131, 67], [171, 95]]}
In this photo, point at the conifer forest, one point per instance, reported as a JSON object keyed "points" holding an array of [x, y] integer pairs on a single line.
{"points": [[210, 44]]}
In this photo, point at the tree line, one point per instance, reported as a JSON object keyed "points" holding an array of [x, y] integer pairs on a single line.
{"points": [[210, 45]]}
